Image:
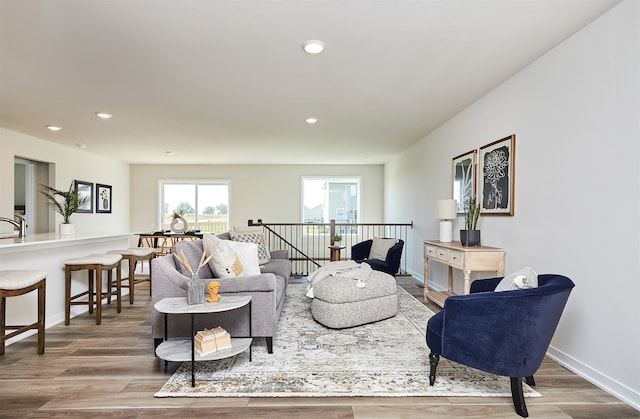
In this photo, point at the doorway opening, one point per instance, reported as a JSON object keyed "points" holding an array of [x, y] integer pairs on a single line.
{"points": [[27, 201]]}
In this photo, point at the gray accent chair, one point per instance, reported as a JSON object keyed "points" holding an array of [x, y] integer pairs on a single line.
{"points": [[267, 290]]}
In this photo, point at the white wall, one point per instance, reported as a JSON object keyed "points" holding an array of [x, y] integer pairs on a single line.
{"points": [[576, 114], [269, 192], [70, 164]]}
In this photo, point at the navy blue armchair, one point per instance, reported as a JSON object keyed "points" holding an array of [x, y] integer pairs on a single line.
{"points": [[391, 264], [504, 333]]}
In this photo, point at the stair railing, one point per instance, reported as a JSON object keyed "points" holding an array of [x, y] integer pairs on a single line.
{"points": [[309, 244]]}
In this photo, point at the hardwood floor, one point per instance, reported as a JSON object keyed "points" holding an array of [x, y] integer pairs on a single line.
{"points": [[110, 370]]}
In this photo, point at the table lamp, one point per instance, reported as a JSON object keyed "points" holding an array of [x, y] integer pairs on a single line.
{"points": [[446, 212]]}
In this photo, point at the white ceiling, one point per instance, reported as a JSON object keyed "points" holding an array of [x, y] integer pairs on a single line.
{"points": [[227, 81]]}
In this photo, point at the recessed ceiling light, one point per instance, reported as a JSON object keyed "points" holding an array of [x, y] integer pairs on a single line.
{"points": [[170, 153], [313, 46], [311, 120], [103, 115], [79, 145], [53, 128]]}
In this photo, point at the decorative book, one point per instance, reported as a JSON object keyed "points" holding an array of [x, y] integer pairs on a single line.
{"points": [[212, 340]]}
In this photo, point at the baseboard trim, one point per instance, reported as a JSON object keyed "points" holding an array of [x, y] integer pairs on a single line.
{"points": [[611, 386]]}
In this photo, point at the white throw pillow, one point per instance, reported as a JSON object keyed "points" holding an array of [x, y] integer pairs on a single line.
{"points": [[522, 278], [252, 235], [248, 255], [380, 248], [224, 262]]}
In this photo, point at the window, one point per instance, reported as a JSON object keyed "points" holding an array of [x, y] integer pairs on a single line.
{"points": [[204, 204], [326, 199]]}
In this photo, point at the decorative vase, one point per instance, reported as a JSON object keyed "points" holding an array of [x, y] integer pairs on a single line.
{"points": [[470, 237], [195, 290], [176, 227], [67, 229]]}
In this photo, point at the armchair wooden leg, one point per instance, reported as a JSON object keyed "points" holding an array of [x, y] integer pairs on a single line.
{"points": [[433, 364], [518, 396], [530, 380], [269, 344]]}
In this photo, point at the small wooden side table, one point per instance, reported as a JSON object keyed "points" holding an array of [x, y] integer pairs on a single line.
{"points": [[467, 259], [335, 253]]}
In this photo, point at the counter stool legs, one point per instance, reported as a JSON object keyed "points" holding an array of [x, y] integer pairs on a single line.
{"points": [[133, 256], [13, 284], [95, 265]]}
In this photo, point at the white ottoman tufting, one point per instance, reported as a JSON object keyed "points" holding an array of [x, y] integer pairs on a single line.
{"points": [[339, 303]]}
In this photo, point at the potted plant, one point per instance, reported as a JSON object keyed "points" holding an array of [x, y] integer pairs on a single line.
{"points": [[470, 236], [66, 206], [336, 239]]}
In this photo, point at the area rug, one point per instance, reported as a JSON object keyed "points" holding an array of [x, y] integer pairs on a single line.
{"points": [[389, 358]]}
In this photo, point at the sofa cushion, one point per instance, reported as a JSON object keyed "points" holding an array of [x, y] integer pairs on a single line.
{"points": [[193, 251], [252, 236], [278, 267]]}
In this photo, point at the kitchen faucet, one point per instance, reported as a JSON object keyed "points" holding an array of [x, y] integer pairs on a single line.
{"points": [[19, 225]]}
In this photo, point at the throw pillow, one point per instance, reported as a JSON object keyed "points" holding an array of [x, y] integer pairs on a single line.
{"points": [[522, 278], [224, 263], [380, 248], [247, 229], [253, 236], [248, 255]]}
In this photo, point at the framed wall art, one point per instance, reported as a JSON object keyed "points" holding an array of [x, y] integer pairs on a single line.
{"points": [[464, 179], [497, 171], [85, 196], [103, 198]]}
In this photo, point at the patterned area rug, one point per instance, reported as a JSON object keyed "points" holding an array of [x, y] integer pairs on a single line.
{"points": [[389, 358]]}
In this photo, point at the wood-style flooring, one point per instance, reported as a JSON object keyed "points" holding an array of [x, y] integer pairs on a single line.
{"points": [[110, 370]]}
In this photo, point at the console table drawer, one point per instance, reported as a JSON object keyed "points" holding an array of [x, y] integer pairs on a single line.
{"points": [[430, 251], [456, 259], [442, 254]]}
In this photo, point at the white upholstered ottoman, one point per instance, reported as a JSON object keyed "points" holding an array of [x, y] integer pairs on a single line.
{"points": [[339, 303]]}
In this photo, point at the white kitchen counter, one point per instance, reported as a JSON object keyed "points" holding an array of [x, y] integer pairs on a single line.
{"points": [[47, 252], [49, 240]]}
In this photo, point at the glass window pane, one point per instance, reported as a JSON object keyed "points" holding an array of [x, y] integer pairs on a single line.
{"points": [[205, 205], [213, 208], [178, 198], [330, 199]]}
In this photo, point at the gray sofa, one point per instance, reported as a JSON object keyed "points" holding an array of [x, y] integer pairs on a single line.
{"points": [[268, 291]]}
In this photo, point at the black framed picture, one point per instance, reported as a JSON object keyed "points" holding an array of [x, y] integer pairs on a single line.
{"points": [[103, 198], [497, 171], [464, 179], [85, 196]]}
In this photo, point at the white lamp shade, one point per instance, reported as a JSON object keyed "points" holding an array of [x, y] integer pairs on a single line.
{"points": [[446, 209]]}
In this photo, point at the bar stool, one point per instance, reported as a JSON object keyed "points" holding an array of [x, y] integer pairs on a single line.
{"points": [[134, 255], [12, 284], [97, 264]]}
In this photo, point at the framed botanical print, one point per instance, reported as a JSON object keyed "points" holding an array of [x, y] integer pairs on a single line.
{"points": [[497, 171], [464, 179], [103, 198], [85, 196]]}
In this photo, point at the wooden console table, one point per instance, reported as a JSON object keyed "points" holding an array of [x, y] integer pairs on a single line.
{"points": [[467, 259]]}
